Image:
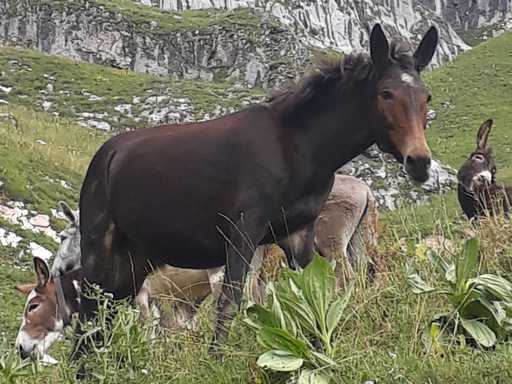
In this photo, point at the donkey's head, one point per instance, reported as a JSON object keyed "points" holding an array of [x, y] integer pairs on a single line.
{"points": [[401, 100], [41, 325], [479, 170]]}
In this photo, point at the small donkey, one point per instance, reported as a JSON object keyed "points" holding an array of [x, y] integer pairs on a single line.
{"points": [[478, 192]]}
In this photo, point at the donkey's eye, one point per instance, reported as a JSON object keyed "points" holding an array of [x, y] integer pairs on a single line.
{"points": [[386, 95], [33, 307]]}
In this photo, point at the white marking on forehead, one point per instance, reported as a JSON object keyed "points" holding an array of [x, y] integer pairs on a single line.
{"points": [[408, 79]]}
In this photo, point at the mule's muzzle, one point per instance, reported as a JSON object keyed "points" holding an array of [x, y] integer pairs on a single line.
{"points": [[418, 167]]}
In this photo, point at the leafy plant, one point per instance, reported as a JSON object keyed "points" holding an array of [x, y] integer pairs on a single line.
{"points": [[481, 303], [297, 323]]}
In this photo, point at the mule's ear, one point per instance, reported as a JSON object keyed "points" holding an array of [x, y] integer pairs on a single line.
{"points": [[483, 134], [379, 46], [426, 49], [25, 288], [68, 212], [42, 271]]}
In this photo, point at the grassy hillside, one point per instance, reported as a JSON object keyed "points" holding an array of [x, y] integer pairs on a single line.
{"points": [[381, 343], [474, 87], [70, 89]]}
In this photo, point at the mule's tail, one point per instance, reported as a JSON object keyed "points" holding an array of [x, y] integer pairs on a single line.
{"points": [[362, 248]]}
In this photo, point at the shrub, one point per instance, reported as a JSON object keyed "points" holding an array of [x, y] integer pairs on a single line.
{"points": [[296, 325], [481, 303]]}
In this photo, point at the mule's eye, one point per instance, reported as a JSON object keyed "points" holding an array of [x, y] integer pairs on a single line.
{"points": [[33, 307], [386, 95]]}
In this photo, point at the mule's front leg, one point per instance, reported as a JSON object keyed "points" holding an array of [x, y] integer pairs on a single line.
{"points": [[239, 256]]}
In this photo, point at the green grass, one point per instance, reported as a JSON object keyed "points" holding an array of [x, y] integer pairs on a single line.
{"points": [[31, 171], [477, 85], [29, 73]]}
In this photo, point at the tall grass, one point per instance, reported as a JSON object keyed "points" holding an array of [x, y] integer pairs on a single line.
{"points": [[381, 342]]}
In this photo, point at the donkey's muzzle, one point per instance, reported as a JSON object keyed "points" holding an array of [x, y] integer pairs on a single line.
{"points": [[418, 167]]}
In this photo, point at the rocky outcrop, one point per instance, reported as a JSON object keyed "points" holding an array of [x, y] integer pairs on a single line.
{"points": [[471, 15], [237, 45], [344, 24], [390, 183]]}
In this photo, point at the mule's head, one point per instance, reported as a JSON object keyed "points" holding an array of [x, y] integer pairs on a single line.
{"points": [[479, 170], [68, 255], [401, 100], [41, 325]]}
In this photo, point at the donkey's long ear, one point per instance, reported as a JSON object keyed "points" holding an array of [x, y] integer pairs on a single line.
{"points": [[42, 271], [68, 212], [25, 288], [426, 49], [379, 46], [483, 134]]}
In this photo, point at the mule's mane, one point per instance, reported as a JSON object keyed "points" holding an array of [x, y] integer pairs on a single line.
{"points": [[339, 75]]}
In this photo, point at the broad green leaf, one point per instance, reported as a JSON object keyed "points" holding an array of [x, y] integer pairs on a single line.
{"points": [[476, 310], [417, 284], [479, 332], [308, 376], [336, 310], [260, 316], [320, 285], [497, 286], [281, 361], [496, 309], [467, 265], [297, 306], [275, 338], [276, 308]]}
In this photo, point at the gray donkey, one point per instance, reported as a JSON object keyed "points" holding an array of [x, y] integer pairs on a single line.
{"points": [[478, 192]]}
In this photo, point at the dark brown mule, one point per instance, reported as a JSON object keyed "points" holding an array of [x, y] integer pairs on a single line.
{"points": [[479, 193], [219, 188]]}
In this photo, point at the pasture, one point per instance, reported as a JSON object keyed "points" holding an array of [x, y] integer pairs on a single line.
{"points": [[382, 341]]}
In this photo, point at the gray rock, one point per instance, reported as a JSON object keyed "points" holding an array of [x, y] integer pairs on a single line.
{"points": [[390, 183]]}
